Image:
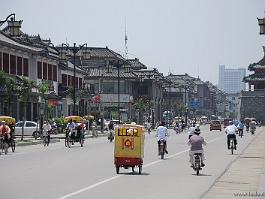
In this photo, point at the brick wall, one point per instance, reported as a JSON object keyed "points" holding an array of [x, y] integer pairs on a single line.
{"points": [[253, 105]]}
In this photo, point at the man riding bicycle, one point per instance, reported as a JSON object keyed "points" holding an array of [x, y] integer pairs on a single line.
{"points": [[5, 130], [231, 131]]}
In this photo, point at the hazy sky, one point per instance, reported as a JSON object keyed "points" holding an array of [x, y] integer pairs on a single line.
{"points": [[181, 36]]}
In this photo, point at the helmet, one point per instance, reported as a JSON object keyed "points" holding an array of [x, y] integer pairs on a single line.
{"points": [[197, 126], [197, 131]]}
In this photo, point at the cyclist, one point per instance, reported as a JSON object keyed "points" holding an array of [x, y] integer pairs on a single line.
{"points": [[231, 131], [5, 130]]}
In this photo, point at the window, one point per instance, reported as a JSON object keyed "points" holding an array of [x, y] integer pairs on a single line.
{"points": [[108, 87], [19, 124], [69, 83], [55, 73], [44, 70], [80, 83], [72, 81], [49, 72], [30, 124], [25, 67], [39, 69], [64, 79], [19, 65], [0, 60], [13, 67], [6, 62], [76, 81]]}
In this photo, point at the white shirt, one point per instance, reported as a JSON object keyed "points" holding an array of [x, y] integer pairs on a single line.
{"points": [[161, 133], [192, 130], [231, 129]]}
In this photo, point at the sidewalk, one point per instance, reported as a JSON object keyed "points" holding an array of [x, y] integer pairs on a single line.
{"points": [[245, 177], [54, 138]]}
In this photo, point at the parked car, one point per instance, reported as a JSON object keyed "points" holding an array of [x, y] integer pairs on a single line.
{"points": [[215, 125], [30, 129]]}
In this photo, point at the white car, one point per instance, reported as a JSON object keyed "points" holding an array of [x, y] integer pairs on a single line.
{"points": [[30, 128]]}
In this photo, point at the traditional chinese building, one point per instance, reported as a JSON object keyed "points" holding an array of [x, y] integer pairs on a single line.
{"points": [[253, 100]]}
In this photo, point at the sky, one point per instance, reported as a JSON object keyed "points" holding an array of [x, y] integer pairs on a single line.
{"points": [[177, 36]]}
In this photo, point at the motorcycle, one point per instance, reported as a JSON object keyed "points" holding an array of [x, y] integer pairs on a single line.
{"points": [[162, 148], [111, 135], [197, 166], [177, 130], [252, 130]]}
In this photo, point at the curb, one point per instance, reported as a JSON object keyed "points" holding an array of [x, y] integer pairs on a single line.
{"points": [[31, 142], [54, 139]]}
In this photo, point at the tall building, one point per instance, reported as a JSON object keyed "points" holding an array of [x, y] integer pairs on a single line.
{"points": [[231, 80]]}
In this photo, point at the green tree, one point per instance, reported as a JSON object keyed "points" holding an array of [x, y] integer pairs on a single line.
{"points": [[43, 88], [25, 87], [9, 85]]}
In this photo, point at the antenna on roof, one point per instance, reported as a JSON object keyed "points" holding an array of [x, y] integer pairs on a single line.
{"points": [[125, 42]]}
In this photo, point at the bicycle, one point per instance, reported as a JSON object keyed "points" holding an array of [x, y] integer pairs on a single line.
{"points": [[3, 145]]}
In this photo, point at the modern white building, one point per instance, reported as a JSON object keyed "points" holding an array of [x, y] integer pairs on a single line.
{"points": [[231, 80]]}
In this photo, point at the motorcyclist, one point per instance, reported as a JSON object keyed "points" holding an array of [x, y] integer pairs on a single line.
{"points": [[46, 130], [253, 126], [231, 131], [176, 127], [148, 126], [111, 129], [5, 130], [240, 127], [192, 129], [161, 133], [196, 141]]}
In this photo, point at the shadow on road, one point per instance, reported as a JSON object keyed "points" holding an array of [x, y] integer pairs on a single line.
{"points": [[201, 174], [135, 173]]}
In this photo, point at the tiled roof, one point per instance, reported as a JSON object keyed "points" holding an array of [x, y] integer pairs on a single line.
{"points": [[181, 79], [8, 40], [148, 73], [136, 64], [255, 77], [259, 64], [97, 73]]}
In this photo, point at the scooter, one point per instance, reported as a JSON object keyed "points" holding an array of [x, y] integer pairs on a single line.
{"points": [[177, 130], [252, 130], [162, 148], [197, 162]]}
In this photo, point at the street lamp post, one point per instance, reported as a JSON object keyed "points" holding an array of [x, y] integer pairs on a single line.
{"points": [[119, 113], [75, 49]]}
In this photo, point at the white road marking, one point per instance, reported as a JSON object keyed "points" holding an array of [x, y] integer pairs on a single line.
{"points": [[119, 176]]}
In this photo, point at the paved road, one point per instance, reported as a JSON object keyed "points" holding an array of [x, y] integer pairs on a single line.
{"points": [[88, 172]]}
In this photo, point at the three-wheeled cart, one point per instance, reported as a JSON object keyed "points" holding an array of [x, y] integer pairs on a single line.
{"points": [[77, 135], [129, 147]]}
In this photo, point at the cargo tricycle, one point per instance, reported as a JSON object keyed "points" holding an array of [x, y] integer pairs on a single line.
{"points": [[129, 147]]}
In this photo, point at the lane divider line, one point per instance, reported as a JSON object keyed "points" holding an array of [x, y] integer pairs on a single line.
{"points": [[119, 176]]}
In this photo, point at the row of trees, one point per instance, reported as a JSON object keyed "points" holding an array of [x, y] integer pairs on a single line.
{"points": [[21, 90]]}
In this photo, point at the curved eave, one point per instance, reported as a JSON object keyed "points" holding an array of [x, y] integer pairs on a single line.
{"points": [[254, 79]]}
